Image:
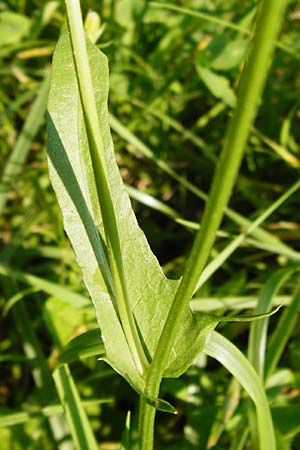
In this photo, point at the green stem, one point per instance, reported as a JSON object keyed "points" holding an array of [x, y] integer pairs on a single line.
{"points": [[239, 366], [97, 153], [146, 425], [249, 95]]}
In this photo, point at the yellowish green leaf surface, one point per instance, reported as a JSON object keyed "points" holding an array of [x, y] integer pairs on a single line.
{"points": [[150, 292]]}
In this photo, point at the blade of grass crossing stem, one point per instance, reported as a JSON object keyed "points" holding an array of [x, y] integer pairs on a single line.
{"points": [[28, 133], [249, 95], [206, 304], [47, 286], [83, 346], [80, 427], [221, 22], [260, 234], [16, 298], [96, 149], [237, 364], [229, 249], [152, 202], [282, 333], [258, 329]]}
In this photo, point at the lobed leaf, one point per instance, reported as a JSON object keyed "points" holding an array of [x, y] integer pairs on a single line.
{"points": [[150, 292]]}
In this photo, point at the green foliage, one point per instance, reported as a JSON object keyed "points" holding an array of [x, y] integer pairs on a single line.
{"points": [[150, 293], [168, 127], [13, 27]]}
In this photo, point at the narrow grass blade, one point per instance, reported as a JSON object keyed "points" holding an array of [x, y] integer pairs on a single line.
{"points": [[79, 424], [184, 132], [46, 286], [213, 266], [237, 364], [152, 202], [258, 330], [16, 104], [83, 346], [22, 146], [202, 15], [282, 333], [234, 303], [259, 233], [280, 150], [222, 22], [16, 298], [157, 205], [231, 402]]}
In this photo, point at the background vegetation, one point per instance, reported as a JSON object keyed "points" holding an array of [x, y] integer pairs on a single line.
{"points": [[173, 75]]}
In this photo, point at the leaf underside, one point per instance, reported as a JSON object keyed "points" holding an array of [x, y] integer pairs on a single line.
{"points": [[151, 293]]}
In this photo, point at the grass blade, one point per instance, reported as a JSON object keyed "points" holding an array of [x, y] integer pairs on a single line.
{"points": [[83, 346], [237, 364], [80, 427], [46, 286], [213, 266], [260, 234], [221, 22], [282, 334], [258, 330]]}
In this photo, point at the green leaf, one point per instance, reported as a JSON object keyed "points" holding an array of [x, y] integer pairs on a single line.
{"points": [[218, 85], [231, 56], [159, 404], [13, 27], [221, 54], [238, 365], [82, 346], [150, 293], [190, 342], [90, 344]]}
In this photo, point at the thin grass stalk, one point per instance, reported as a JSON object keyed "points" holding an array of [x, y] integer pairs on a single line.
{"points": [[249, 95]]}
